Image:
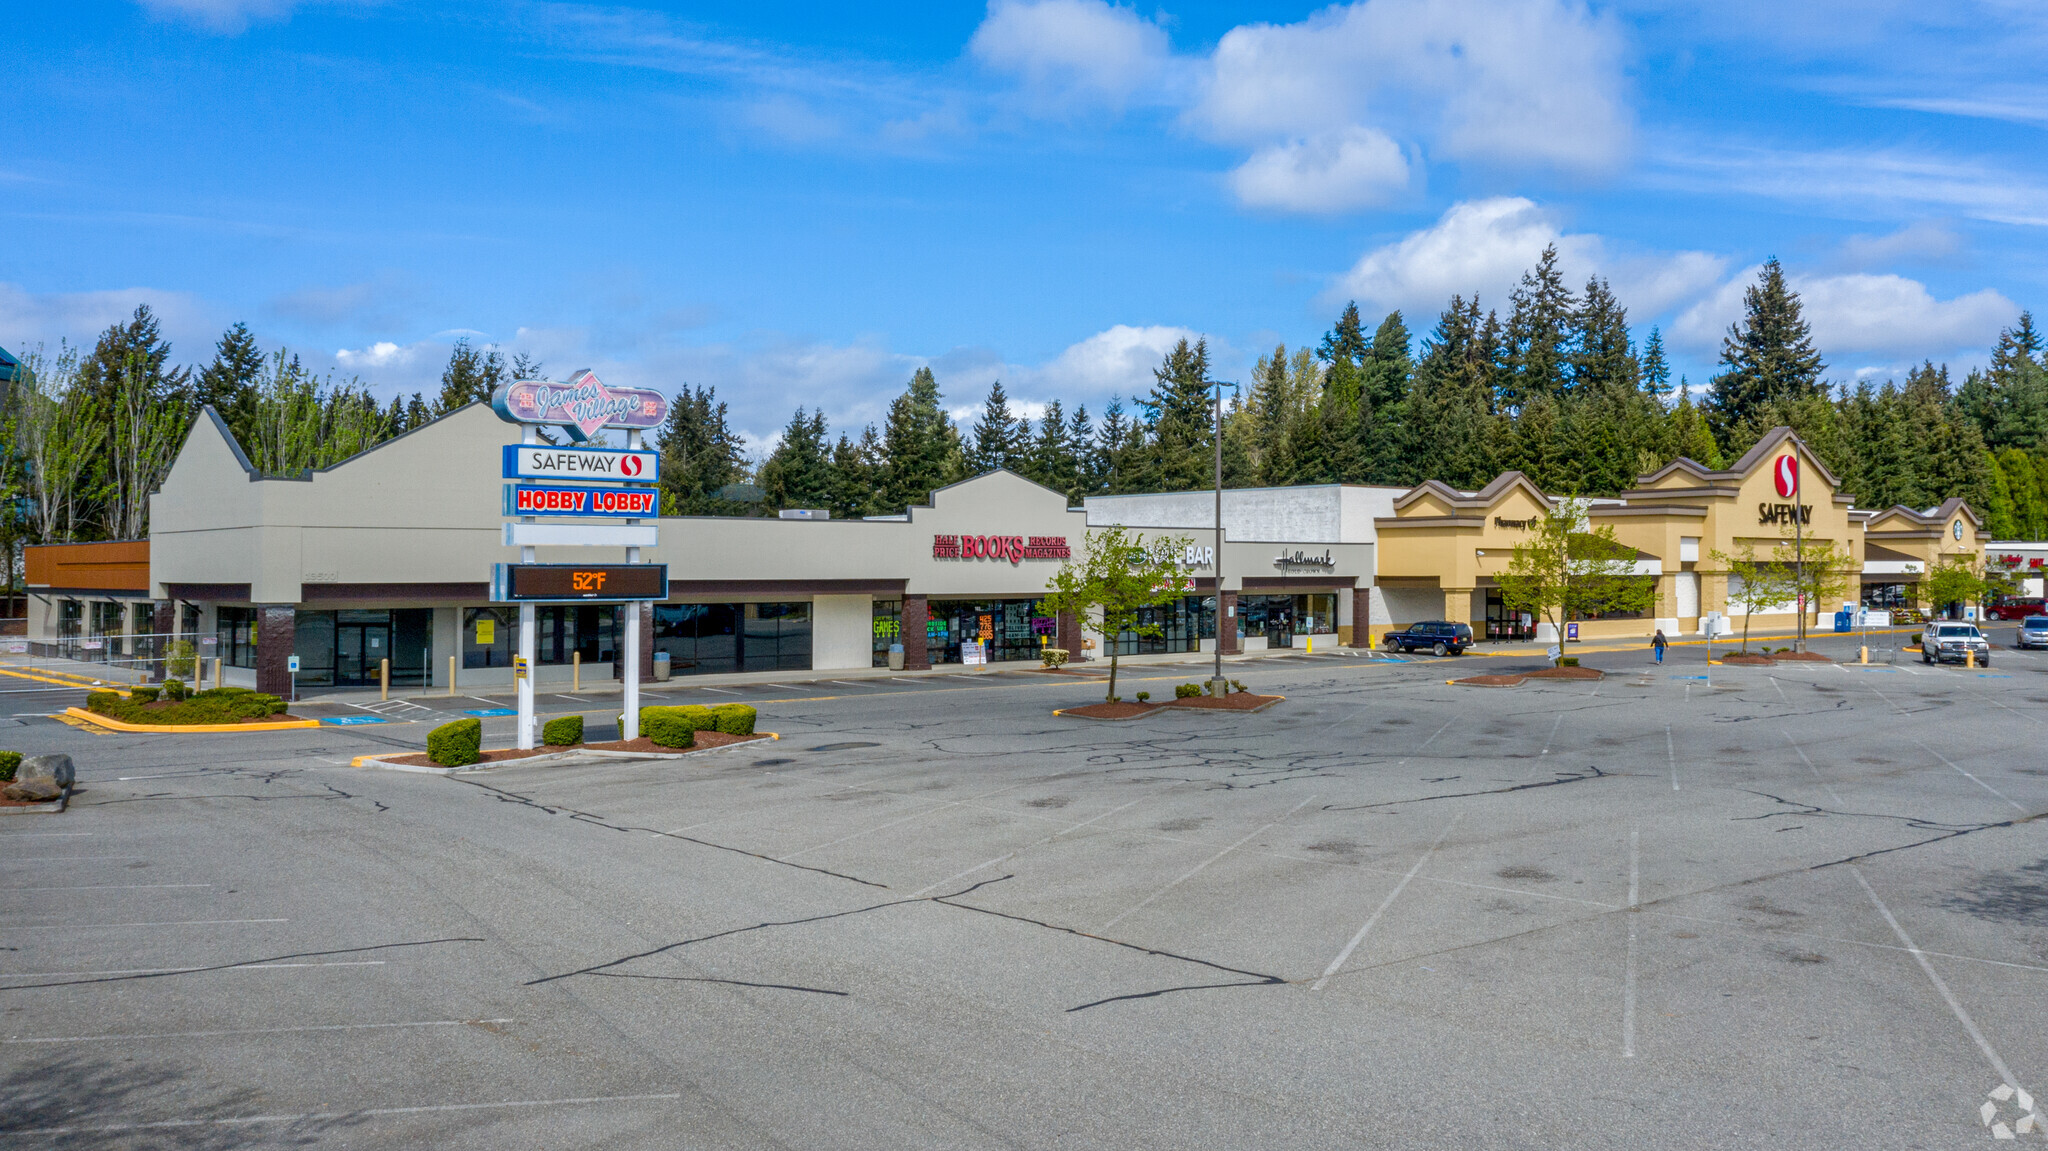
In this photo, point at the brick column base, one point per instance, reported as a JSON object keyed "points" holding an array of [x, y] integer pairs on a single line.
{"points": [[276, 633], [915, 655], [1361, 617], [1070, 637], [166, 619], [1226, 623]]}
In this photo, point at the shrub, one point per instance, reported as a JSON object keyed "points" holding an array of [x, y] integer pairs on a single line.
{"points": [[143, 694], [1052, 656], [734, 718], [1187, 690], [102, 701], [9, 760], [1237, 685], [1568, 661], [664, 727], [566, 731], [1143, 696], [456, 744], [1915, 639], [174, 689], [180, 662]]}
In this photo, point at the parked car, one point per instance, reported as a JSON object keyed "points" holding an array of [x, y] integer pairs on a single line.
{"points": [[1441, 637], [2016, 607], [1950, 642], [2033, 632]]}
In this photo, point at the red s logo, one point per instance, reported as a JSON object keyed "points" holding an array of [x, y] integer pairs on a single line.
{"points": [[629, 466], [1786, 474]]}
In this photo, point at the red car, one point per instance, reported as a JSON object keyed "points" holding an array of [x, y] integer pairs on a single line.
{"points": [[2015, 607]]}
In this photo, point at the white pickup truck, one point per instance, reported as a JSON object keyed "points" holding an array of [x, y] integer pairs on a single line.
{"points": [[1952, 642]]}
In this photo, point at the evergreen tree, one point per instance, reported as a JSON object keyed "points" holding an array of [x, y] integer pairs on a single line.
{"points": [[1689, 435], [1656, 370], [2024, 476], [920, 444], [416, 413], [525, 367], [798, 473], [1345, 343], [1000, 438], [136, 347], [1180, 421], [1051, 459], [1600, 355], [700, 455], [1538, 335], [1119, 450], [1449, 426], [2009, 402], [1768, 356], [394, 417], [470, 377], [229, 383], [1388, 372], [855, 467], [1087, 461]]}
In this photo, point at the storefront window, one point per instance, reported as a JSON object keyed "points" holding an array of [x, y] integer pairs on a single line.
{"points": [[1182, 623], [1279, 616], [888, 628], [1013, 629], [348, 648], [490, 636], [704, 638], [569, 629], [1888, 596]]}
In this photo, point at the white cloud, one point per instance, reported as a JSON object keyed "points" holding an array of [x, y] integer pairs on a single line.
{"points": [[30, 318], [1879, 184], [1337, 171], [1119, 359], [1861, 315], [1923, 240], [1063, 49], [1496, 82], [228, 16]]}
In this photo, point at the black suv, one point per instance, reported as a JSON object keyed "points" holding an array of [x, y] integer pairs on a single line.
{"points": [[1441, 637]]}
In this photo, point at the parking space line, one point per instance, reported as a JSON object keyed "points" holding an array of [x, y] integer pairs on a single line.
{"points": [[125, 887], [923, 891], [1548, 739], [1338, 963], [1973, 779], [1198, 868], [1671, 754], [257, 1031], [1628, 983]]}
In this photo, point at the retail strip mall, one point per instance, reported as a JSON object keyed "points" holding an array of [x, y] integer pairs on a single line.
{"points": [[390, 554]]}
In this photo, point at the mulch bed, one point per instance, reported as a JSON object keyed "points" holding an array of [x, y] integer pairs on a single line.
{"points": [[1803, 656], [1567, 673], [1741, 660], [1124, 710], [1490, 681], [1235, 701], [1067, 671], [705, 740], [168, 704]]}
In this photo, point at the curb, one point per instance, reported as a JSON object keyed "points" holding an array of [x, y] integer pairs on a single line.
{"points": [[109, 722], [421, 769], [51, 808]]}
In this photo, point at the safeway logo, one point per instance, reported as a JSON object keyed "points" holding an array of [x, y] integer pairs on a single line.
{"points": [[630, 466], [1786, 474]]}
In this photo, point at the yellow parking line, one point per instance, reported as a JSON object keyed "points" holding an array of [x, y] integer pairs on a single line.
{"points": [[46, 677]]}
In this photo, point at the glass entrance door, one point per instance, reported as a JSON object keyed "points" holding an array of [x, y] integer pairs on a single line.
{"points": [[358, 647]]}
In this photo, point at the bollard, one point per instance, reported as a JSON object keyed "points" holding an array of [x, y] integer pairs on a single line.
{"points": [[383, 679], [217, 680], [1969, 657], [576, 671], [451, 675], [1863, 654]]}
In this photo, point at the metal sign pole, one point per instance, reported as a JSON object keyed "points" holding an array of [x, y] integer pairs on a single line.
{"points": [[528, 643], [629, 727], [1216, 682]]}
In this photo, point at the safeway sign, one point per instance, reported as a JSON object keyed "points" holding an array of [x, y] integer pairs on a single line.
{"points": [[602, 465]]}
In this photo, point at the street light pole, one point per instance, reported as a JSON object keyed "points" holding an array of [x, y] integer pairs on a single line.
{"points": [[1216, 682]]}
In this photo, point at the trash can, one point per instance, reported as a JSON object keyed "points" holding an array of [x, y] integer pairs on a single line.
{"points": [[661, 666], [895, 657]]}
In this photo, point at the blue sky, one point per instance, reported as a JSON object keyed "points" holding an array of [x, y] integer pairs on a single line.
{"points": [[800, 203]]}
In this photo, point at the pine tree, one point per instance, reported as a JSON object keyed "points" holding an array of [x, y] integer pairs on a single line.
{"points": [[470, 377], [700, 455], [1180, 421], [1449, 429], [1600, 355], [1768, 356], [1087, 462], [416, 413], [1050, 459], [920, 444], [1656, 370], [1689, 434], [854, 469], [1345, 343], [1119, 450], [2009, 402], [798, 473], [999, 437], [136, 347], [394, 417], [1388, 374], [1538, 335], [229, 383]]}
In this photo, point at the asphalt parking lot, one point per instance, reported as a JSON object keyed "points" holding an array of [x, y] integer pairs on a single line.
{"points": [[1686, 906]]}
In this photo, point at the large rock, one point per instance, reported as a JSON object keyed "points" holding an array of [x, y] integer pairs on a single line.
{"points": [[55, 768], [41, 790]]}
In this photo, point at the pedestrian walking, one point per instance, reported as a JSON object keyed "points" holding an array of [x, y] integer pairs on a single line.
{"points": [[1659, 643]]}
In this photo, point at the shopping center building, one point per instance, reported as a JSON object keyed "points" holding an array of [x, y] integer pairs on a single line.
{"points": [[389, 556]]}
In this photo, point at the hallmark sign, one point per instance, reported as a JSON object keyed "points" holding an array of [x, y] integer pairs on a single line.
{"points": [[582, 406], [1015, 549], [1298, 560]]}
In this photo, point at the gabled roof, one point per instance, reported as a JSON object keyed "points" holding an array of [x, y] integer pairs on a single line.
{"points": [[1484, 498], [1932, 518], [1750, 461]]}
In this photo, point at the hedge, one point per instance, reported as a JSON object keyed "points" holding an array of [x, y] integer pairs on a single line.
{"points": [[564, 732], [456, 744], [214, 705], [734, 718], [9, 761]]}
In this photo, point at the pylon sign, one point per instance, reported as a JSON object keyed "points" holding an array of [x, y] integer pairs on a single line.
{"points": [[581, 406], [590, 465]]}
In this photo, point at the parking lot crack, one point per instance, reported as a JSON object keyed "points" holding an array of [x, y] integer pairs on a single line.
{"points": [[1947, 831], [1563, 777]]}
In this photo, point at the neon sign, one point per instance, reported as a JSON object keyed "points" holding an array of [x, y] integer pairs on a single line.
{"points": [[582, 405]]}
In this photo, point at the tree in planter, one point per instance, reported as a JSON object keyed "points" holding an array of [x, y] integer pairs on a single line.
{"points": [[1117, 576], [1755, 585], [1817, 572], [1566, 570], [1954, 579]]}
